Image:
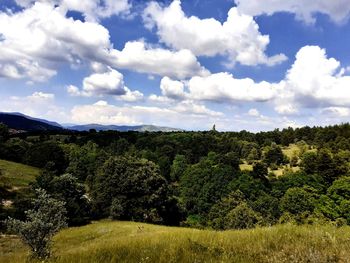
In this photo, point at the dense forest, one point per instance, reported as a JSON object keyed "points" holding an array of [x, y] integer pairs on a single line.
{"points": [[211, 179]]}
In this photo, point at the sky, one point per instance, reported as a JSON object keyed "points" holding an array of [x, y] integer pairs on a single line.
{"points": [[239, 64]]}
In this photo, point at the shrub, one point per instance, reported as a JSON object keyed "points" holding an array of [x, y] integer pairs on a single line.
{"points": [[43, 222]]}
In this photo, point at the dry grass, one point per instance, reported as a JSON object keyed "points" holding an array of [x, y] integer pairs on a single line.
{"points": [[134, 242]]}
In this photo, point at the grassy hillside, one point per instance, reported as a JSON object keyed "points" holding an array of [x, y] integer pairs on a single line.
{"points": [[17, 175], [135, 242]]}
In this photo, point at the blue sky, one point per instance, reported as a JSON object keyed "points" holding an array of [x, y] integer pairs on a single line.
{"points": [[239, 64]]}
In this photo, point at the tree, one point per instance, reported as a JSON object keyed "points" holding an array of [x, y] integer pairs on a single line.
{"points": [[218, 212], [309, 162], [43, 222], [67, 189], [260, 171], [83, 161], [274, 155], [297, 201], [203, 184], [241, 217], [178, 167], [4, 132], [40, 154], [336, 203], [135, 183]]}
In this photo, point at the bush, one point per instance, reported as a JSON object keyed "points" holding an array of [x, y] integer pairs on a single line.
{"points": [[43, 222], [241, 217]]}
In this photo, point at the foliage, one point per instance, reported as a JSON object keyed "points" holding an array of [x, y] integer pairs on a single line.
{"points": [[40, 154], [67, 189], [4, 132], [241, 217], [203, 184], [298, 200], [136, 183], [43, 222]]}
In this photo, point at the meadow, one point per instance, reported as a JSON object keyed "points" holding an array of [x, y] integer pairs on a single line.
{"points": [[108, 241], [17, 175]]}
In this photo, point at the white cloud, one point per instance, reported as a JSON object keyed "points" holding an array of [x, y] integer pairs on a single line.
{"points": [[286, 109], [73, 91], [172, 88], [107, 83], [91, 9], [38, 40], [142, 58], [337, 10], [219, 87], [314, 80], [41, 96], [131, 96], [238, 37], [191, 107], [254, 113], [224, 87], [190, 116], [336, 111], [110, 82], [38, 104]]}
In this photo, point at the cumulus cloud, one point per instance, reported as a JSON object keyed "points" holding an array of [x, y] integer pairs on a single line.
{"points": [[36, 41], [131, 96], [218, 87], [110, 82], [143, 58], [172, 88], [238, 37], [224, 87], [91, 9], [314, 80], [338, 10]]}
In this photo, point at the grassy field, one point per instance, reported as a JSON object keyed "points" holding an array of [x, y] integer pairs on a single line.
{"points": [[135, 242], [17, 175], [288, 151]]}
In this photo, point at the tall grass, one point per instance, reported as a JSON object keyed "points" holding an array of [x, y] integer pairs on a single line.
{"points": [[134, 242]]}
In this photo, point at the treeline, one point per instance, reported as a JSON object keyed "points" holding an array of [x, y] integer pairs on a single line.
{"points": [[188, 178]]}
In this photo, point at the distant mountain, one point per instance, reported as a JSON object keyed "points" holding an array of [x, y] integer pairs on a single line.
{"points": [[139, 128], [21, 122], [53, 123]]}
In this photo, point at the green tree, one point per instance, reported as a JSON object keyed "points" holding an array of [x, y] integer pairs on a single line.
{"points": [[241, 217], [298, 200], [260, 171], [40, 154], [83, 161], [178, 167], [43, 222], [4, 133], [218, 212], [135, 183], [203, 184], [274, 155], [309, 162]]}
